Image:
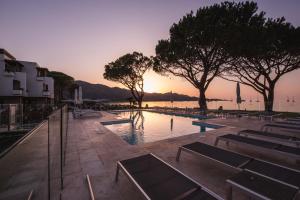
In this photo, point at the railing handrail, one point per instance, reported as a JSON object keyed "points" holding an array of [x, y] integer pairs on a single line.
{"points": [[30, 195], [90, 187], [22, 139]]}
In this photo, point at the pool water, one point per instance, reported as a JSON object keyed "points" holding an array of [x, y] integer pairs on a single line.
{"points": [[149, 127]]}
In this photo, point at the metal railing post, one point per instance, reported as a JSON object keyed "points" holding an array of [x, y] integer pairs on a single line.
{"points": [[30, 195], [9, 118], [90, 187], [67, 128], [49, 184], [61, 148]]}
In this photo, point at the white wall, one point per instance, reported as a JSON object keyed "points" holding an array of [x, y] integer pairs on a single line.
{"points": [[32, 86], [35, 87]]}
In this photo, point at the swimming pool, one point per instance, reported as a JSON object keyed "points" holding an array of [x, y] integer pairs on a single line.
{"points": [[146, 126]]}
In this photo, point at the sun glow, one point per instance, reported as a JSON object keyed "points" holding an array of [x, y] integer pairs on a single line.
{"points": [[150, 85]]}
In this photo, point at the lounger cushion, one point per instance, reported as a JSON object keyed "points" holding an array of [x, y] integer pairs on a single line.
{"points": [[293, 120], [262, 143], [229, 158], [287, 123], [158, 180], [264, 186], [283, 126], [198, 195], [272, 135], [252, 141], [277, 172], [288, 149]]}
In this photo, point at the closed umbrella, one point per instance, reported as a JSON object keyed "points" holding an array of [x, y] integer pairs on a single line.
{"points": [[76, 96], [238, 95], [171, 99], [80, 95]]}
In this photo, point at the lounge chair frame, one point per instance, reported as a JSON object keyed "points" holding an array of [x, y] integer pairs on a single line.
{"points": [[132, 180]]}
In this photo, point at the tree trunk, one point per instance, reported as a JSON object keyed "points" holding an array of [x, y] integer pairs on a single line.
{"points": [[269, 100], [140, 103], [202, 100]]}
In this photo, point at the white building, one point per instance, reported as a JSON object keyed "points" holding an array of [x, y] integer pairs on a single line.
{"points": [[23, 82]]}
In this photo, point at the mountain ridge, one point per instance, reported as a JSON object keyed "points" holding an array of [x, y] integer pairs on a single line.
{"points": [[101, 91]]}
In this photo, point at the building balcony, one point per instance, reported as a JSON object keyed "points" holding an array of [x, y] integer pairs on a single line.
{"points": [[18, 92], [46, 93], [8, 74], [40, 78]]}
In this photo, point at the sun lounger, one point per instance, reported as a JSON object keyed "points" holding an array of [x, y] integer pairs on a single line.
{"points": [[228, 158], [278, 138], [292, 128], [237, 114], [241, 162], [292, 152], [157, 180], [288, 123], [261, 187], [78, 113], [269, 116], [297, 120]]}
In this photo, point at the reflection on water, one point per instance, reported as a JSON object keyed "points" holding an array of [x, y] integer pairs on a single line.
{"points": [[149, 127], [282, 105]]}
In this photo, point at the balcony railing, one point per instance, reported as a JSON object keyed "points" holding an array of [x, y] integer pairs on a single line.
{"points": [[18, 92], [9, 74], [40, 78], [46, 93]]}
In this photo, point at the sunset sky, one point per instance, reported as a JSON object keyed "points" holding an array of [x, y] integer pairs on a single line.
{"points": [[78, 37]]}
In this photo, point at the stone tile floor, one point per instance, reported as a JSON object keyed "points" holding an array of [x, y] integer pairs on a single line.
{"points": [[99, 149], [94, 150]]}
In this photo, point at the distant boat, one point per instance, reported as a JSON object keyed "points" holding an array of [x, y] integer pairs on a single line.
{"points": [[288, 99], [293, 100]]}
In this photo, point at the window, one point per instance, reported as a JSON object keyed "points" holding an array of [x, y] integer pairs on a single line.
{"points": [[7, 68], [16, 85], [45, 87], [13, 66], [41, 72]]}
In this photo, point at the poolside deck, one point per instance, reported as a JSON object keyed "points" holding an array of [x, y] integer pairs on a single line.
{"points": [[92, 149]]}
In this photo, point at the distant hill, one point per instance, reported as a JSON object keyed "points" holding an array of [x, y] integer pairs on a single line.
{"points": [[100, 91]]}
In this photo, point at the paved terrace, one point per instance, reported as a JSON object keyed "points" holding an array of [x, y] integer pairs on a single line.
{"points": [[92, 149]]}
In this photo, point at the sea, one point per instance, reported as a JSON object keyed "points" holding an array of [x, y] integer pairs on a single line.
{"points": [[282, 106]]}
